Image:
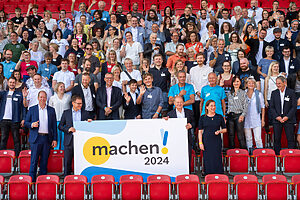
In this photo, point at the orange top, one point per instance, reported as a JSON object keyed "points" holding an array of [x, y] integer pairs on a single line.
{"points": [[172, 59]]}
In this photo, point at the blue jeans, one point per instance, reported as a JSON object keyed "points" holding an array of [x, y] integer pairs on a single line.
{"points": [[60, 139]]}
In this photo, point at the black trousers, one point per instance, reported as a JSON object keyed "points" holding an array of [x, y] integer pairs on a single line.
{"points": [[196, 110], [289, 132], [68, 158], [7, 125], [233, 125]]}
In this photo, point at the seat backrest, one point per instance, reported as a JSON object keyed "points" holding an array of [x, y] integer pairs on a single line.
{"points": [[231, 152], [288, 152], [242, 178], [131, 187], [103, 187], [47, 187], [159, 187], [217, 186], [47, 179], [296, 179], [272, 178], [19, 187], [25, 153], [212, 178], [103, 179], [75, 187], [258, 152], [188, 186]]}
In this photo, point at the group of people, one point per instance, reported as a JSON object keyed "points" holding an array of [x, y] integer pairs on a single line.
{"points": [[232, 72]]}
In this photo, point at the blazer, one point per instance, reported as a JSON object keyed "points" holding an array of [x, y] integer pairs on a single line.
{"points": [[289, 106], [189, 114], [294, 66], [148, 51], [141, 34], [116, 101], [254, 44], [18, 109], [33, 116], [66, 122], [131, 110], [278, 47], [77, 90]]}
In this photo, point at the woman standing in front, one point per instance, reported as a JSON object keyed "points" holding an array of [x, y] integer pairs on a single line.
{"points": [[253, 121], [210, 141]]}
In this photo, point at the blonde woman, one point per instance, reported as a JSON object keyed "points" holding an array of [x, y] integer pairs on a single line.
{"points": [[270, 81], [60, 101], [179, 65], [116, 71], [50, 23], [80, 35]]}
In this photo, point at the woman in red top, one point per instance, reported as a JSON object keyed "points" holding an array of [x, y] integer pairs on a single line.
{"points": [[193, 41], [25, 62], [109, 64], [73, 63]]}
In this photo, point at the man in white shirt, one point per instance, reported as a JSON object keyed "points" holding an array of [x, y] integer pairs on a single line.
{"points": [[132, 50], [225, 17], [129, 74], [65, 76], [255, 11], [199, 79], [31, 95], [31, 70], [171, 46]]}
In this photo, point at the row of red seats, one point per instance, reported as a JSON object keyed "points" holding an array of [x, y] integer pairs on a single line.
{"points": [[158, 187], [262, 162]]}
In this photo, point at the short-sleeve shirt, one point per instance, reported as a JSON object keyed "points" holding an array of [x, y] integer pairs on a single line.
{"points": [[133, 51], [47, 71], [244, 75], [24, 65], [135, 74], [16, 49], [77, 15], [216, 93], [8, 68], [65, 77], [175, 90], [225, 56]]}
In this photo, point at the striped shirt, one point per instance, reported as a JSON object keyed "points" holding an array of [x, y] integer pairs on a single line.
{"points": [[238, 103]]}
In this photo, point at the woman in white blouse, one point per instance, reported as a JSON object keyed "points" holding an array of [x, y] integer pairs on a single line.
{"points": [[49, 21], [60, 101], [253, 121]]}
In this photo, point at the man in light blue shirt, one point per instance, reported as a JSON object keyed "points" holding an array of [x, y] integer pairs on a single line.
{"points": [[183, 89], [82, 11], [213, 92], [8, 65]]}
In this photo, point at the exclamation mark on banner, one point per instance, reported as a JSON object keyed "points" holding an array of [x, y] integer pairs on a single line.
{"points": [[164, 136]]}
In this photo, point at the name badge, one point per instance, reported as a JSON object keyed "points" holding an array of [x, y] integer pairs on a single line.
{"points": [[74, 70], [46, 34], [163, 74], [281, 45], [78, 55], [235, 98], [11, 70], [93, 96], [207, 94], [287, 99], [54, 59], [149, 96], [18, 46], [292, 67], [104, 19], [15, 99], [29, 29], [47, 69], [226, 54], [28, 64], [141, 34], [195, 63], [17, 95], [17, 20]]}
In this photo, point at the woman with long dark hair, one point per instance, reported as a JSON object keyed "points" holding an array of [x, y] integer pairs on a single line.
{"points": [[19, 81], [3, 81]]}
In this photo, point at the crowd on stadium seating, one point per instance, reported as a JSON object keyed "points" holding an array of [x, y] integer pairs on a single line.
{"points": [[227, 71]]}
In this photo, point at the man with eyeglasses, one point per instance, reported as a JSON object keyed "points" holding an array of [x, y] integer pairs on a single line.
{"points": [[95, 67], [138, 33], [8, 65], [15, 47]]}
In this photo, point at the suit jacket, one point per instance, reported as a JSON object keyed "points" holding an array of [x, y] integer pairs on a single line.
{"points": [[66, 122], [148, 50], [141, 34], [116, 101], [188, 114], [294, 66], [77, 90], [33, 116], [18, 109], [278, 47], [289, 106], [131, 110], [254, 44]]}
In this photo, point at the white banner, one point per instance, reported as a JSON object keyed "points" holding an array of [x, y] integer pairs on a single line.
{"points": [[142, 147]]}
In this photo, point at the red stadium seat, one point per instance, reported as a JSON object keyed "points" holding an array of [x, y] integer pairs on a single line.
{"points": [[75, 187], [56, 162], [131, 187], [217, 186], [7, 160], [266, 4], [65, 6], [275, 187], [104, 187], [24, 162], [52, 7], [265, 161], [159, 187], [296, 182], [290, 159], [246, 187], [238, 161], [10, 8], [19, 187], [47, 187], [179, 4], [187, 187]]}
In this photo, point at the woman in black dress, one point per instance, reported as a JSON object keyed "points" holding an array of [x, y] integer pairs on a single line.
{"points": [[210, 141]]}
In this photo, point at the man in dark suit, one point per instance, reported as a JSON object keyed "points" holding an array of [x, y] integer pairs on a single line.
{"points": [[87, 93], [108, 99], [283, 107], [66, 125], [180, 112], [279, 44], [12, 114], [41, 121], [258, 46], [132, 109]]}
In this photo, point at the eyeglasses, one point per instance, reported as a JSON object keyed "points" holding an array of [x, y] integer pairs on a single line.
{"points": [[110, 29], [88, 48]]}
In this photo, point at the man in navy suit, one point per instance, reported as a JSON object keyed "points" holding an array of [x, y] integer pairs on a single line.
{"points": [[66, 125], [12, 114], [41, 121], [132, 109], [283, 107], [180, 112], [87, 94], [108, 99]]}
